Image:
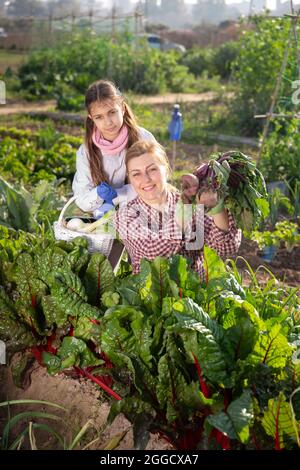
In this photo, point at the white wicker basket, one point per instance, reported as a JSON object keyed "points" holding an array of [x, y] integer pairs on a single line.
{"points": [[98, 242]]}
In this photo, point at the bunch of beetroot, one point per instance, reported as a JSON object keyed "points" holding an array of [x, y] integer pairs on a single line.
{"points": [[237, 181]]}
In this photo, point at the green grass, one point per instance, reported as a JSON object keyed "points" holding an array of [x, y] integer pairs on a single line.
{"points": [[12, 60]]}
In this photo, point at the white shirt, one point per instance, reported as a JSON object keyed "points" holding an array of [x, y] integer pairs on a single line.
{"points": [[114, 167]]}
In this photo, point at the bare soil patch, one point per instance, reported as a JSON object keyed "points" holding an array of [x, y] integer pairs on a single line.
{"points": [[83, 401], [285, 266]]}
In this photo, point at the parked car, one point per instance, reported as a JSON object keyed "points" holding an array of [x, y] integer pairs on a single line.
{"points": [[157, 42], [3, 33]]}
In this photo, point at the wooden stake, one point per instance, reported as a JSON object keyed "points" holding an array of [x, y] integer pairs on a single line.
{"points": [[275, 93]]}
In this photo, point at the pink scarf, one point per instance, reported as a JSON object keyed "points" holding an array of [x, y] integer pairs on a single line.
{"points": [[114, 147]]}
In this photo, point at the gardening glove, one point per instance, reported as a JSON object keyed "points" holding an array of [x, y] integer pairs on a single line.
{"points": [[106, 192], [106, 207]]}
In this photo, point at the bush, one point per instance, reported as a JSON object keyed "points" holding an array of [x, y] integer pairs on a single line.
{"points": [[256, 71], [223, 59], [66, 72], [197, 60], [281, 154]]}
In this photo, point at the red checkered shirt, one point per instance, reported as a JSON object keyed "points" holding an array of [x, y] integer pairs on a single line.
{"points": [[148, 232]]}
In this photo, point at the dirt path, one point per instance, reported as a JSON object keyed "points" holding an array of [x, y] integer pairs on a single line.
{"points": [[169, 98], [26, 107]]}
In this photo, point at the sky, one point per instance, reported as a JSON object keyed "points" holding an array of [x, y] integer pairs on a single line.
{"points": [[271, 3]]}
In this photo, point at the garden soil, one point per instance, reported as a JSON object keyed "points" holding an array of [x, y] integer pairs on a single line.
{"points": [[83, 400], [285, 265]]}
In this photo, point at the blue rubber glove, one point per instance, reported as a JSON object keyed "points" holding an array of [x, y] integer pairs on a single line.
{"points": [[106, 192], [106, 207]]}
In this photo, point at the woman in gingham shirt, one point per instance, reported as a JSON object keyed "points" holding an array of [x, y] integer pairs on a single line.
{"points": [[152, 225]]}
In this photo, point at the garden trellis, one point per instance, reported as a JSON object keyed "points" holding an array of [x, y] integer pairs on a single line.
{"points": [[270, 114], [32, 30]]}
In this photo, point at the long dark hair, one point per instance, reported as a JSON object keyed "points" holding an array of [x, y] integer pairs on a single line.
{"points": [[101, 91]]}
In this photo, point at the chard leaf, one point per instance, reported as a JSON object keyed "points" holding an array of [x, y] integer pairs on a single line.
{"points": [[272, 348], [52, 362], [77, 259], [174, 394], [278, 421], [141, 430], [69, 294], [18, 205], [29, 285], [88, 330], [126, 331], [213, 265], [225, 283], [157, 284], [72, 352], [129, 290], [178, 270], [98, 278], [202, 337], [235, 422], [130, 407], [13, 331], [242, 337], [49, 260], [54, 313]]}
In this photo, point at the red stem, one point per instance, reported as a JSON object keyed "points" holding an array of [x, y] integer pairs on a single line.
{"points": [[277, 436], [94, 379], [204, 388]]}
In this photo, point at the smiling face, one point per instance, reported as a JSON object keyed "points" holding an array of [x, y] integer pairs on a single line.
{"points": [[108, 118], [148, 176]]}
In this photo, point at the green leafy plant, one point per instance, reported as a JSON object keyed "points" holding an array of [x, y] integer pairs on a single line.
{"points": [[57, 289], [277, 202], [288, 233], [294, 190], [71, 68], [239, 184], [205, 364], [29, 157], [284, 231], [201, 363], [280, 157], [265, 238], [22, 210]]}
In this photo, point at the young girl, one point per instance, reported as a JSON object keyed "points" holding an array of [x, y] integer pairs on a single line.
{"points": [[149, 225], [111, 129]]}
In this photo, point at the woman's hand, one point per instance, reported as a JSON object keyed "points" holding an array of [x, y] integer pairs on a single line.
{"points": [[190, 187], [208, 198], [217, 211]]}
